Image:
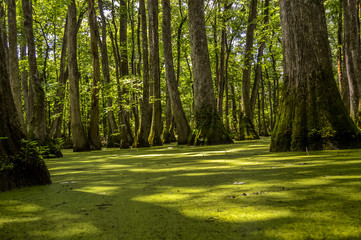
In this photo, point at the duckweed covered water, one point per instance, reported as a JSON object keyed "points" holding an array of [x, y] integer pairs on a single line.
{"points": [[238, 191]]}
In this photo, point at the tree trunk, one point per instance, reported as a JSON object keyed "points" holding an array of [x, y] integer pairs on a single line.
{"points": [[14, 72], [55, 128], [145, 121], [94, 111], [37, 114], [353, 57], [113, 138], [24, 83], [156, 127], [259, 65], [342, 79], [246, 127], [209, 126], [126, 135], [80, 141], [21, 165], [312, 114], [172, 84], [221, 77]]}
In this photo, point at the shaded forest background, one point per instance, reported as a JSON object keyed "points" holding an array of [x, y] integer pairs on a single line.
{"points": [[110, 57]]}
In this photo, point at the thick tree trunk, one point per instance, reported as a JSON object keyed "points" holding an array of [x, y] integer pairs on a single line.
{"points": [[209, 126], [156, 127], [37, 114], [145, 109], [113, 138], [21, 165], [312, 114], [94, 111], [172, 85], [353, 57], [14, 72], [246, 127], [80, 141]]}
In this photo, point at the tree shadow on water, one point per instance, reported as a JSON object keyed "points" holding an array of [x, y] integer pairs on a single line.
{"points": [[224, 192]]}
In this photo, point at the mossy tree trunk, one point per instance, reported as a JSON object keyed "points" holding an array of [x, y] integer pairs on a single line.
{"points": [[341, 67], [37, 115], [113, 135], [80, 141], [156, 127], [141, 139], [209, 126], [20, 164], [93, 130], [312, 114], [353, 57], [126, 135], [246, 127], [172, 84], [14, 72]]}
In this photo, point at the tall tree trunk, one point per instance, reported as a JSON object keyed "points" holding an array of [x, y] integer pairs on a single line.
{"points": [[55, 128], [14, 73], [156, 127], [172, 84], [113, 139], [221, 80], [342, 79], [209, 126], [246, 127], [24, 82], [94, 111], [37, 114], [126, 135], [312, 114], [80, 141], [259, 65], [353, 57], [145, 109], [19, 167]]}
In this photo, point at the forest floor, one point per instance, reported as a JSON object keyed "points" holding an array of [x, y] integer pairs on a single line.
{"points": [[238, 191]]}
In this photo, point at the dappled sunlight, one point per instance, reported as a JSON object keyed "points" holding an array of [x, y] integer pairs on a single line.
{"points": [[203, 192]]}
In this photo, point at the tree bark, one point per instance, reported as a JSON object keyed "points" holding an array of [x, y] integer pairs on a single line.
{"points": [[259, 65], [246, 127], [353, 57], [94, 110], [55, 128], [172, 84], [113, 140], [14, 72], [341, 67], [156, 127], [37, 114], [312, 114], [209, 126], [145, 122], [21, 165], [25, 83], [80, 141], [126, 135]]}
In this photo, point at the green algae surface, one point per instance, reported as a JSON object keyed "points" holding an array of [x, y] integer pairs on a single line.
{"points": [[237, 191]]}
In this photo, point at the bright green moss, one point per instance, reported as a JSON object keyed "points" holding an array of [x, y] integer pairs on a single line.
{"points": [[237, 191]]}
